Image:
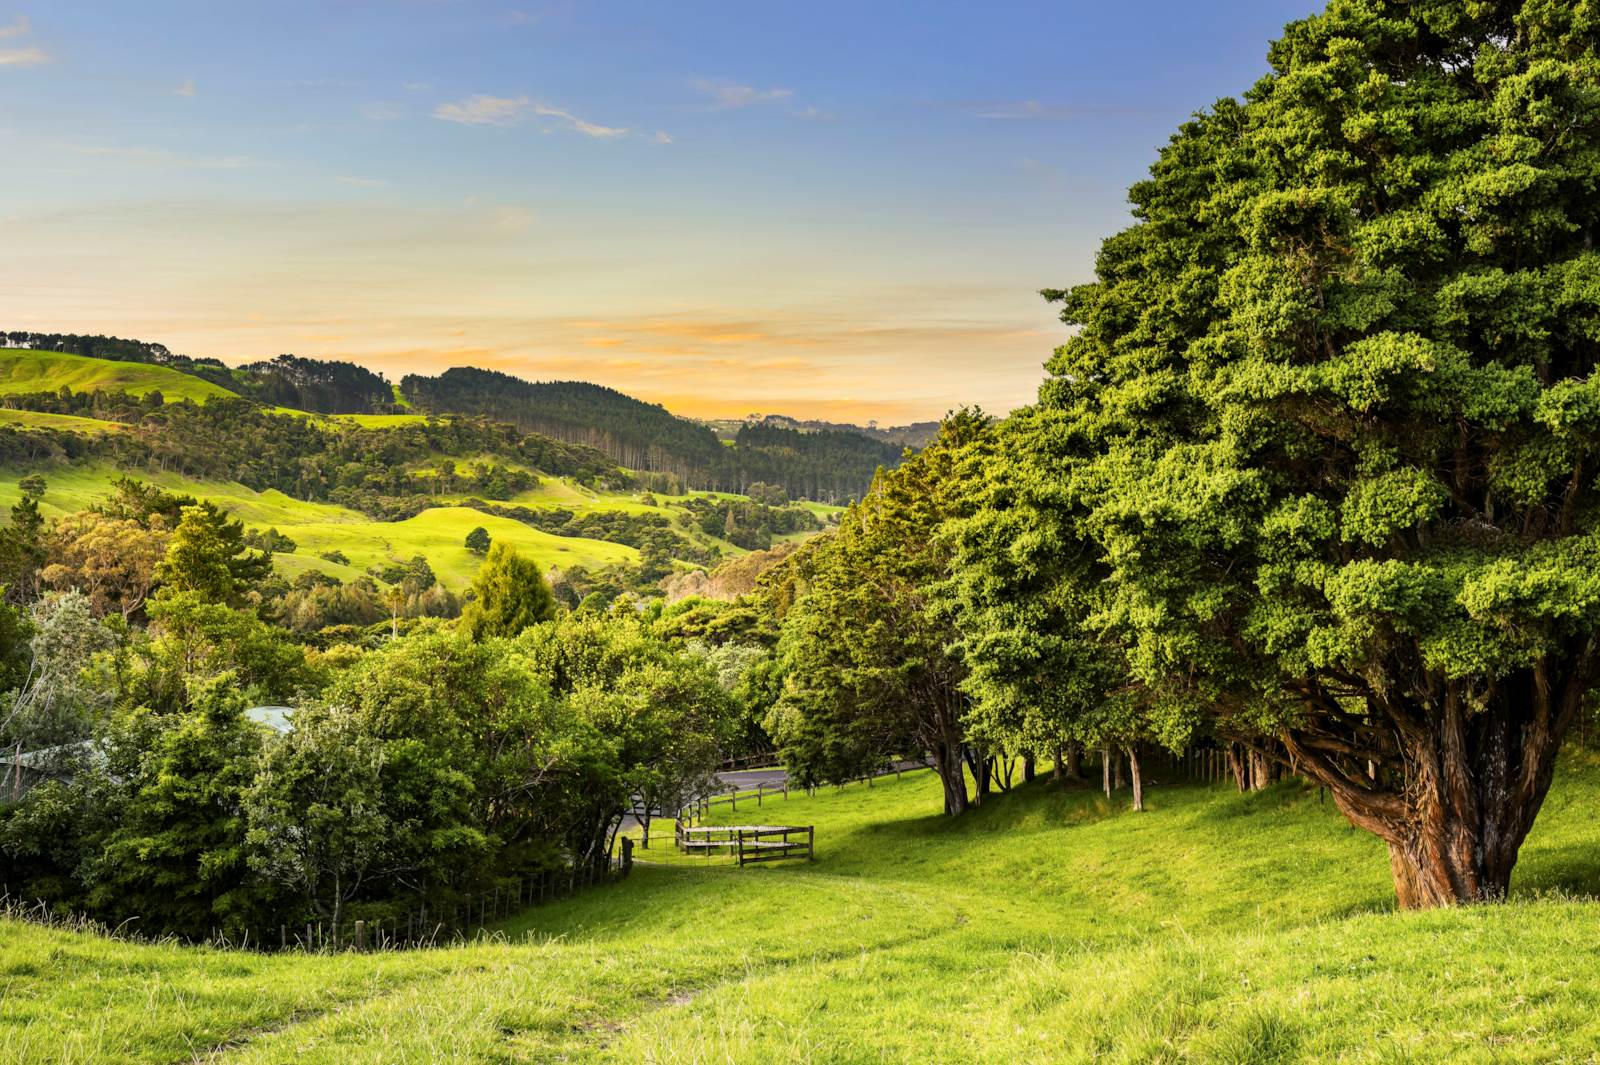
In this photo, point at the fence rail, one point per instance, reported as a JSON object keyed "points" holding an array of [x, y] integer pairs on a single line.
{"points": [[749, 843], [696, 810]]}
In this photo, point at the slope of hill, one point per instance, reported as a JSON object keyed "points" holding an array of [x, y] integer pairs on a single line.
{"points": [[437, 533], [826, 465], [636, 434], [23, 371], [1046, 925]]}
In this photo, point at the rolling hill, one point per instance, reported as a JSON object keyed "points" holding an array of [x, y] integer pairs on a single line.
{"points": [[24, 371]]}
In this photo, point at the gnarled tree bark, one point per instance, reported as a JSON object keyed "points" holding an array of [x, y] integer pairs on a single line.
{"points": [[1451, 779]]}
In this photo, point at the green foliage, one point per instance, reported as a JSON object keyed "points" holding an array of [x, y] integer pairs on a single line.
{"points": [[478, 541], [207, 556], [57, 700], [508, 595], [872, 673], [317, 820], [175, 856]]}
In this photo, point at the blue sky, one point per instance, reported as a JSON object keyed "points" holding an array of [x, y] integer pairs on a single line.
{"points": [[824, 209]]}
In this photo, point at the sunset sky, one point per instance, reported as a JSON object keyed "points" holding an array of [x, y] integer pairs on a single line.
{"points": [[839, 210]]}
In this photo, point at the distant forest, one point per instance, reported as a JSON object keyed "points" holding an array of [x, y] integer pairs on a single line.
{"points": [[808, 460], [829, 466]]}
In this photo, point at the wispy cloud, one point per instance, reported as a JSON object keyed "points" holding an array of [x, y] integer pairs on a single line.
{"points": [[30, 56], [484, 110], [661, 137], [22, 57], [186, 89], [513, 219], [726, 95], [511, 110]]}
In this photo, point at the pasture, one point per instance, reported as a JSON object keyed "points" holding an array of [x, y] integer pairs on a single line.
{"points": [[1048, 925]]}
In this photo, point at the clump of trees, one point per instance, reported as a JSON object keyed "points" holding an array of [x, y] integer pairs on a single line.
{"points": [[437, 763], [1314, 477]]}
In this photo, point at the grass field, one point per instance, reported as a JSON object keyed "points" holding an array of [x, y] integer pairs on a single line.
{"points": [[47, 371], [1045, 926], [439, 534], [33, 419]]}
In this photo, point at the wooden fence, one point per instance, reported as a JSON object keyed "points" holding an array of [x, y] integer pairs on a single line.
{"points": [[749, 843], [696, 811]]}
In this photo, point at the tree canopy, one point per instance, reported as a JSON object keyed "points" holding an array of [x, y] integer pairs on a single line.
{"points": [[1328, 421]]}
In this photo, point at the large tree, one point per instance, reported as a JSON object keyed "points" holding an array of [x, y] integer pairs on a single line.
{"points": [[1337, 383], [508, 595], [207, 556]]}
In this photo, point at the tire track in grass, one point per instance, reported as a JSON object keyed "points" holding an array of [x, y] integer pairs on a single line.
{"points": [[535, 1000]]}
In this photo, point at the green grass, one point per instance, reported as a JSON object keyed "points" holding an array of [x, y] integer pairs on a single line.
{"points": [[380, 421], [1047, 925], [24, 371], [439, 534], [33, 419]]}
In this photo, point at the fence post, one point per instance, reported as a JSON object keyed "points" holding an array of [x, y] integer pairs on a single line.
{"points": [[733, 795], [759, 787], [811, 843], [361, 935]]}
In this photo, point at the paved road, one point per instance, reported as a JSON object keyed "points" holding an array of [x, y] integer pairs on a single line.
{"points": [[746, 779]]}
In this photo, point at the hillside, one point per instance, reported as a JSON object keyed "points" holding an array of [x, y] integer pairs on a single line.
{"points": [[829, 465], [1045, 926], [50, 371]]}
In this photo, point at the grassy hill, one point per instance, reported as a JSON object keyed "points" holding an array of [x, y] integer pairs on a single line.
{"points": [[438, 533], [33, 419], [1046, 926], [47, 371]]}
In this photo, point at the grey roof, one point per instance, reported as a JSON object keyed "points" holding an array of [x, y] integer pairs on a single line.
{"points": [[276, 718]]}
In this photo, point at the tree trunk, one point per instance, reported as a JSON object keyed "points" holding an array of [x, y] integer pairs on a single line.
{"points": [[1074, 762], [982, 766], [1138, 779], [1239, 763], [1260, 771], [1116, 770], [1105, 770], [1456, 790], [1058, 770], [1030, 768], [949, 762]]}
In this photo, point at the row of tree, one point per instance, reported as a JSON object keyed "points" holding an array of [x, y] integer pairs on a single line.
{"points": [[1315, 475]]}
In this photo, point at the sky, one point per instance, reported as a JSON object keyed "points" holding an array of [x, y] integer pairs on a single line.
{"points": [[827, 210]]}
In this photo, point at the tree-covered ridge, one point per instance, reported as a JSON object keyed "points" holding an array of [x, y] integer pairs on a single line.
{"points": [[321, 386], [318, 385], [828, 466]]}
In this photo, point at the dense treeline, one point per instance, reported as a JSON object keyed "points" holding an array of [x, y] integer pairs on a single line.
{"points": [[323, 386], [826, 466], [1314, 479]]}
